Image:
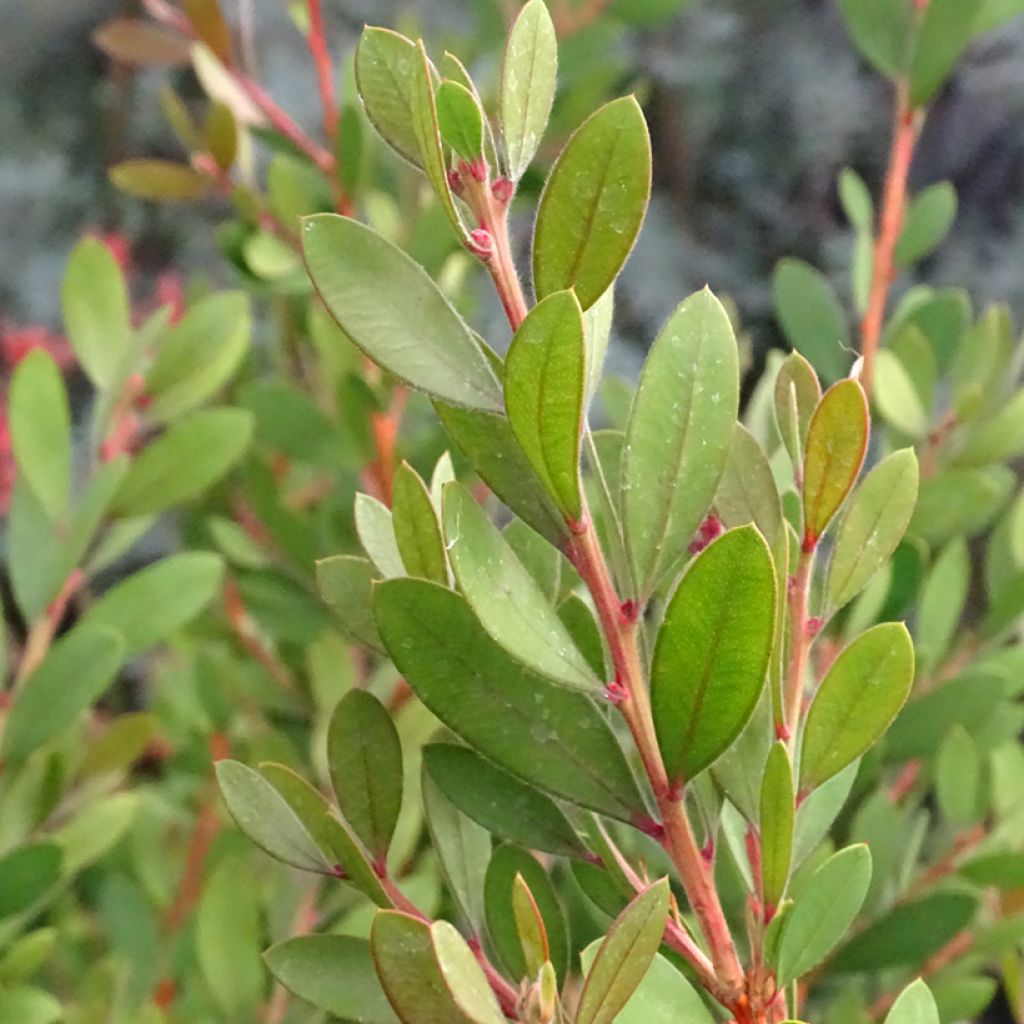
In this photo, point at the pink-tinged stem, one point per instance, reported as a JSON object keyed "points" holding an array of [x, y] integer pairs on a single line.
{"points": [[799, 640], [317, 42]]}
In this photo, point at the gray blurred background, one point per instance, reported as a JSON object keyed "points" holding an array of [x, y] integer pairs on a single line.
{"points": [[754, 107]]}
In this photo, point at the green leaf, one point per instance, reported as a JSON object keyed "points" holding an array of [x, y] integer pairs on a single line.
{"points": [[679, 435], [375, 527], [29, 872], [776, 818], [228, 937], [97, 315], [711, 655], [796, 396], [942, 602], [928, 220], [335, 973], [508, 864], [489, 444], [528, 77], [464, 976], [544, 380], [191, 456], [364, 755], [199, 355], [504, 596], [946, 29], [77, 669], [417, 531], [823, 912], [157, 601], [40, 426], [747, 492], [908, 934], [914, 1005], [624, 957], [346, 583], [593, 203], [896, 395], [460, 120], [811, 317], [462, 846], [854, 194], [994, 13], [880, 30], [123, 742], [856, 702], [388, 305], [872, 526], [264, 815], [836, 443], [546, 735], [530, 928], [385, 64], [501, 803], [160, 180], [29, 1006], [958, 778], [960, 500], [221, 134], [1003, 870], [999, 438]]}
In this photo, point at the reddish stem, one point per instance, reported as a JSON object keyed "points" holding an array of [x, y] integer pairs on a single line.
{"points": [[799, 640], [317, 42], [244, 628]]}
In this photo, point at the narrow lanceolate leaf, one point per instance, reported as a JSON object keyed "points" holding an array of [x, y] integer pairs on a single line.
{"points": [[873, 525], [428, 135], [711, 655], [544, 382], [546, 735], [915, 1005], [501, 803], [679, 434], [857, 700], [593, 203], [335, 973], [78, 668], [624, 956], [364, 756], [836, 442], [823, 912], [267, 819], [426, 975], [40, 426], [417, 531], [777, 816], [796, 396], [388, 305], [527, 84], [530, 927], [506, 599], [946, 29], [97, 318], [385, 64], [460, 119]]}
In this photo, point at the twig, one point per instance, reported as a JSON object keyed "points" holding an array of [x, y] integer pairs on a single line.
{"points": [[245, 630], [952, 950]]}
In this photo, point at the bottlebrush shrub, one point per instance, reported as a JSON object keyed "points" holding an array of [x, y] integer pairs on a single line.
{"points": [[660, 695]]}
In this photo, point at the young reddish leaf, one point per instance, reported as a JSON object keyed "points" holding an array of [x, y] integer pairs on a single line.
{"points": [[530, 927], [624, 957], [391, 309], [593, 203], [547, 735], [836, 443], [796, 396], [856, 702], [776, 821], [94, 300], [506, 807], [335, 973], [460, 120], [141, 42], [78, 668], [527, 84], [872, 526], [824, 910], [364, 755], [207, 20], [507, 864], [544, 380], [40, 427], [711, 655], [679, 435], [385, 64], [417, 531]]}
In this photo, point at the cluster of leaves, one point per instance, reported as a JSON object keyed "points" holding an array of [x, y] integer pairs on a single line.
{"points": [[635, 708]]}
